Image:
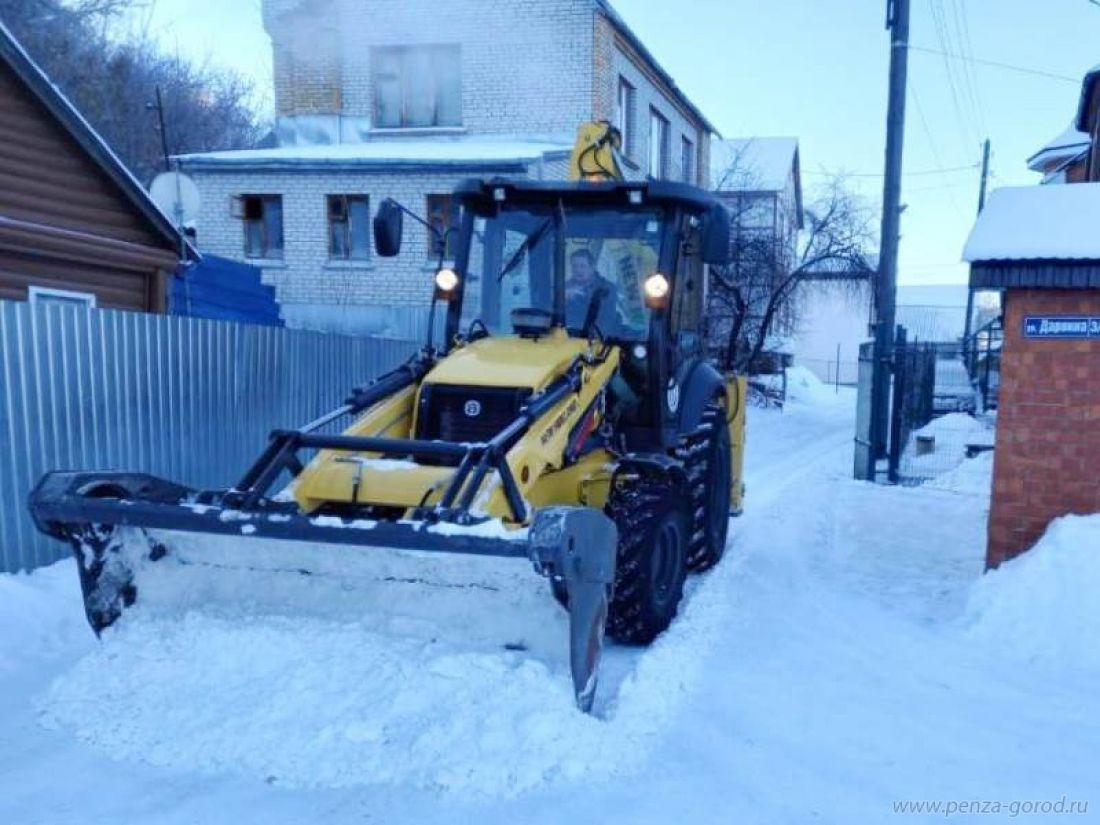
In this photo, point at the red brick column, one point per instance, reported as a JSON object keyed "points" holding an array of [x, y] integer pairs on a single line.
{"points": [[1047, 461]]}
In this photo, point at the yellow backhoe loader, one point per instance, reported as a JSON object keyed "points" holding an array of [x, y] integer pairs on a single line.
{"points": [[569, 418]]}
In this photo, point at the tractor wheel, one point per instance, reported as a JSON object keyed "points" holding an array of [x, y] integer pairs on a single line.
{"points": [[706, 455], [651, 564]]}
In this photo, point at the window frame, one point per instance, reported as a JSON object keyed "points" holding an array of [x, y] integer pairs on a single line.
{"points": [[348, 228], [42, 295], [267, 251], [440, 55], [450, 216], [687, 159], [626, 103], [660, 143]]}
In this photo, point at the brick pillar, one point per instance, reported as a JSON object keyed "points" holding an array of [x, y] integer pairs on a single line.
{"points": [[1048, 430]]}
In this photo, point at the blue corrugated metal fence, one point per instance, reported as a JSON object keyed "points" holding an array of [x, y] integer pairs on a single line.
{"points": [[186, 399]]}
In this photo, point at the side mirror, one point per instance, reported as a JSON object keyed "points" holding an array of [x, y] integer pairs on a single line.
{"points": [[715, 239], [388, 227]]}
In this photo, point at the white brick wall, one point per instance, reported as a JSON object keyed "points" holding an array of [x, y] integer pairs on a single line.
{"points": [[647, 97], [526, 64], [306, 275], [530, 68]]}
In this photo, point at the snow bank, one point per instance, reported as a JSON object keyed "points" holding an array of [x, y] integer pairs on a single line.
{"points": [[973, 476], [805, 387], [432, 672], [40, 613], [301, 702], [1042, 606]]}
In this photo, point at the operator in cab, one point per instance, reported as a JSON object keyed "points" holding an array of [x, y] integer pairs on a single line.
{"points": [[589, 296]]}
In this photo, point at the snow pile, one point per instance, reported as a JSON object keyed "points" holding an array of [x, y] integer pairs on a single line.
{"points": [[441, 673], [302, 702], [805, 387], [973, 476], [1042, 606], [40, 614]]}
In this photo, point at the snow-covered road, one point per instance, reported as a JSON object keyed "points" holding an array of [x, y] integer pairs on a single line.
{"points": [[826, 670]]}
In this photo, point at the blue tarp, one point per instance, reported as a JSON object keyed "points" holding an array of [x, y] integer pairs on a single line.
{"points": [[223, 290]]}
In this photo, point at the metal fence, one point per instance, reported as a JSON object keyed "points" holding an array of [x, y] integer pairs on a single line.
{"points": [[938, 417], [186, 399], [941, 410]]}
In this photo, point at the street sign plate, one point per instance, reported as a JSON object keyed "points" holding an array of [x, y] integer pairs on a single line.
{"points": [[1064, 327]]}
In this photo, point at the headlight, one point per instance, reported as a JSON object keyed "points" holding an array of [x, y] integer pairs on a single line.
{"points": [[656, 291], [446, 280]]}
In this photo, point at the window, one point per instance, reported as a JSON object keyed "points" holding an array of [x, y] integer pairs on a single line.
{"points": [[687, 160], [517, 248], [417, 86], [624, 115], [349, 227], [47, 295], [262, 216], [658, 144], [441, 215]]}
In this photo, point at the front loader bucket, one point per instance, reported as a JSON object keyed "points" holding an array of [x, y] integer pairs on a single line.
{"points": [[125, 531]]}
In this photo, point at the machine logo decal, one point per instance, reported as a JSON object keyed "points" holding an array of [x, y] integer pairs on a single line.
{"points": [[559, 422], [472, 408]]}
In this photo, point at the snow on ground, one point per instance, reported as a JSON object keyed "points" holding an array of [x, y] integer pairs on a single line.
{"points": [[845, 656], [950, 437], [1042, 607]]}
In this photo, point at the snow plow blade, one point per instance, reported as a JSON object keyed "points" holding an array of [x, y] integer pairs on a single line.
{"points": [[113, 521]]}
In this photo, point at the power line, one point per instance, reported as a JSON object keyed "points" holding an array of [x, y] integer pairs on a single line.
{"points": [[962, 21], [1010, 67], [940, 23], [960, 185], [931, 140]]}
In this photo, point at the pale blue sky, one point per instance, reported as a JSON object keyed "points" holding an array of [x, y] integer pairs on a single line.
{"points": [[816, 69]]}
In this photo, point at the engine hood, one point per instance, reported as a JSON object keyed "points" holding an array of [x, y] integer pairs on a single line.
{"points": [[509, 362]]}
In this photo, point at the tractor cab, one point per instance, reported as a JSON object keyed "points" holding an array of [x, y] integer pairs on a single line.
{"points": [[611, 262]]}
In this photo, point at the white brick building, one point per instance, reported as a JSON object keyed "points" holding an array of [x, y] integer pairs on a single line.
{"points": [[403, 99]]}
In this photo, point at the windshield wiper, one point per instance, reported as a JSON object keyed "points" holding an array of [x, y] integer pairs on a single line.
{"points": [[528, 243]]}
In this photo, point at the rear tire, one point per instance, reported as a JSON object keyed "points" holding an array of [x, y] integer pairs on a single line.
{"points": [[710, 474], [651, 562]]}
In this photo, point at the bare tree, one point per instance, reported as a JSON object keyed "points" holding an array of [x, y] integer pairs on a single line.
{"points": [[112, 81], [755, 295]]}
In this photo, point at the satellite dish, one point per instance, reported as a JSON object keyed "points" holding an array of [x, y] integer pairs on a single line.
{"points": [[178, 197]]}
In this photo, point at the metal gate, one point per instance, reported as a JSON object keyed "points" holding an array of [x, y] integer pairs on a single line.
{"points": [[865, 459]]}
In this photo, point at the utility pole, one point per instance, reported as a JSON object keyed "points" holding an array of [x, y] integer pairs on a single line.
{"points": [[985, 176], [897, 22], [970, 290], [159, 108]]}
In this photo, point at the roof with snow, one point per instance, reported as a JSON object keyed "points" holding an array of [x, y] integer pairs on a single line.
{"points": [[1067, 146], [1038, 223], [460, 154], [72, 121], [757, 164], [1037, 236]]}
